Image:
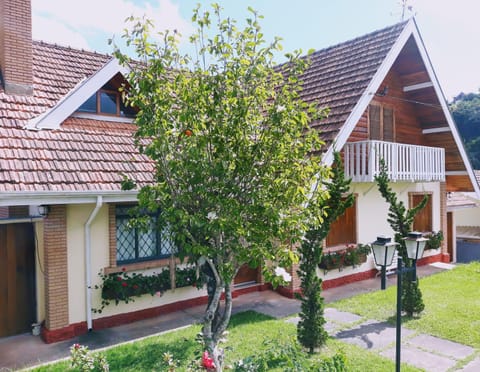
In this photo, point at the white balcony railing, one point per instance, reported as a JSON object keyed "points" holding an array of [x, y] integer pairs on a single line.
{"points": [[404, 162]]}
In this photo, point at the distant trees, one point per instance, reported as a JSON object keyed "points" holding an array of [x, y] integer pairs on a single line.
{"points": [[465, 109]]}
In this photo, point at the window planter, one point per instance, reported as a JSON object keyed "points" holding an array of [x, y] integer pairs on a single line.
{"points": [[353, 255], [124, 286]]}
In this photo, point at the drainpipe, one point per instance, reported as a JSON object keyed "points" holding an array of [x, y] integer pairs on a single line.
{"points": [[88, 263]]}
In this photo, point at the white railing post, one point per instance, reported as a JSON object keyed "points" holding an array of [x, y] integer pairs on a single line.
{"points": [[405, 162]]}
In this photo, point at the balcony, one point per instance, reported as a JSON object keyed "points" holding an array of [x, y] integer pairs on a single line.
{"points": [[404, 162]]}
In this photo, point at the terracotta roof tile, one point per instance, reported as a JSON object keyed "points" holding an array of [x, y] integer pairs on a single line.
{"points": [[338, 76], [90, 155]]}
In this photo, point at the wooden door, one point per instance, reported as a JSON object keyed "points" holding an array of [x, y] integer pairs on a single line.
{"points": [[423, 219], [450, 235], [246, 275], [344, 229], [17, 278]]}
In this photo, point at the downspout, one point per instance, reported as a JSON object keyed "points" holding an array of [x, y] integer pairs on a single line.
{"points": [[88, 263]]}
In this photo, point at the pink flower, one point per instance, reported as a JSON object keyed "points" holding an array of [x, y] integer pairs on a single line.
{"points": [[207, 361], [135, 286], [124, 284], [119, 278], [76, 346], [159, 294]]}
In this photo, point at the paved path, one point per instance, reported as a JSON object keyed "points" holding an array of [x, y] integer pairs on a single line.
{"points": [[430, 353]]}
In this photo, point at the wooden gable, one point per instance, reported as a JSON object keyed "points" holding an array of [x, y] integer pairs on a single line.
{"points": [[419, 118]]}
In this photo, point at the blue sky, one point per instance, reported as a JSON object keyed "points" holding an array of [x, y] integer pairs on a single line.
{"points": [[450, 30]]}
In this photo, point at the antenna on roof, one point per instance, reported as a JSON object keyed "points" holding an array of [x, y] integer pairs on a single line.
{"points": [[406, 8]]}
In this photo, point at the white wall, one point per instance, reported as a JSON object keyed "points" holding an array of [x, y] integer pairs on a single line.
{"points": [[467, 216], [372, 209], [77, 215]]}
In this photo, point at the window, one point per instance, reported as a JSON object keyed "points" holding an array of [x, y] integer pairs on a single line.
{"points": [[423, 219], [381, 123], [134, 244], [107, 101], [344, 229]]}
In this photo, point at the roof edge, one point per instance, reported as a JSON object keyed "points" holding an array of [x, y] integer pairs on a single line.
{"points": [[65, 197], [54, 117]]}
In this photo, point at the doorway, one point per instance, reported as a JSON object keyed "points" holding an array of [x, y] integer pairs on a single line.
{"points": [[17, 278]]}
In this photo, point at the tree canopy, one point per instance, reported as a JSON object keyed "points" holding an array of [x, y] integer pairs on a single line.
{"points": [[465, 109], [236, 161]]}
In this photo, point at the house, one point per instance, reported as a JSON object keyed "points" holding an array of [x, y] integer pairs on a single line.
{"points": [[465, 210], [66, 144]]}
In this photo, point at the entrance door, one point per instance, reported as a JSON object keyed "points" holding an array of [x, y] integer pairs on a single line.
{"points": [[17, 278], [450, 235]]}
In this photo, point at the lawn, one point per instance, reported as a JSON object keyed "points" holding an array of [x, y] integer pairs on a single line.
{"points": [[452, 305], [249, 333]]}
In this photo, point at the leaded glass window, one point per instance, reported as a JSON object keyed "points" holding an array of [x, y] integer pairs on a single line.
{"points": [[135, 244]]}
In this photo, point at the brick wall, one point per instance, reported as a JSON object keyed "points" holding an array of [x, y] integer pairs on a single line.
{"points": [[443, 215], [56, 266], [16, 46]]}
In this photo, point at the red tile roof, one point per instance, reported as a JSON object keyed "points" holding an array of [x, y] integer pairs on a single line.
{"points": [[92, 155], [339, 75]]}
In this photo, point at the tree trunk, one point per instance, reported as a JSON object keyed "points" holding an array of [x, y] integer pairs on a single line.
{"points": [[216, 321]]}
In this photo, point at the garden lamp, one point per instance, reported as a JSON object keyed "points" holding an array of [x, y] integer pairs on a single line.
{"points": [[415, 244], [383, 251]]}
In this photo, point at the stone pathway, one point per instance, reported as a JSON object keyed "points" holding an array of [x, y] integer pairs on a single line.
{"points": [[430, 353]]}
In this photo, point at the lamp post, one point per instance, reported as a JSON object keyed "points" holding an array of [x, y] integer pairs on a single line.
{"points": [[383, 251], [415, 245]]}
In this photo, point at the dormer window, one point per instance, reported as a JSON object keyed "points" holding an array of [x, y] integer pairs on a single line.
{"points": [[107, 101]]}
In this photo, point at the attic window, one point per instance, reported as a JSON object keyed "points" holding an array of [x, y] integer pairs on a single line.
{"points": [[107, 102]]}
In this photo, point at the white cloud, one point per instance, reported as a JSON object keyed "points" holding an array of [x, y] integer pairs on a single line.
{"points": [[51, 30], [450, 32], [65, 21]]}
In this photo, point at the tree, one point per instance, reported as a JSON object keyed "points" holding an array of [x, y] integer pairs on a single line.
{"points": [[310, 329], [466, 112], [234, 154], [401, 219]]}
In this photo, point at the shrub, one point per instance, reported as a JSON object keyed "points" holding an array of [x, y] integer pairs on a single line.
{"points": [[85, 361]]}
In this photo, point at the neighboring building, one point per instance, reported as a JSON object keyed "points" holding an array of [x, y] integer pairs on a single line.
{"points": [[465, 210], [66, 144]]}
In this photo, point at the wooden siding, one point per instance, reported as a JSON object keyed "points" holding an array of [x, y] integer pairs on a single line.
{"points": [[415, 111]]}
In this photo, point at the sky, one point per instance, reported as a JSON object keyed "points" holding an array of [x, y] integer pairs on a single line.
{"points": [[450, 29]]}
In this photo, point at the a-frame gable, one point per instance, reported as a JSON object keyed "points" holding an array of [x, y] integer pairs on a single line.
{"points": [[409, 32], [54, 117]]}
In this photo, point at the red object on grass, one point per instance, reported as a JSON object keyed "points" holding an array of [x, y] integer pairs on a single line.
{"points": [[207, 361]]}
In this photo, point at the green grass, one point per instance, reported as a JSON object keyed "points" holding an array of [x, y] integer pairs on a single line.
{"points": [[247, 334], [452, 305]]}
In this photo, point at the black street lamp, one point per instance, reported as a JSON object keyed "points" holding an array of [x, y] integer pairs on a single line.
{"points": [[415, 245], [383, 251]]}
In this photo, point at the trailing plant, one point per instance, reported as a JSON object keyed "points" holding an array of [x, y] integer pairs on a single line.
{"points": [[435, 240], [124, 286], [310, 329], [401, 219], [352, 255]]}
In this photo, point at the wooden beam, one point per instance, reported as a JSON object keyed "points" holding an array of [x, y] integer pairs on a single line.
{"points": [[456, 173], [436, 130], [413, 87]]}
